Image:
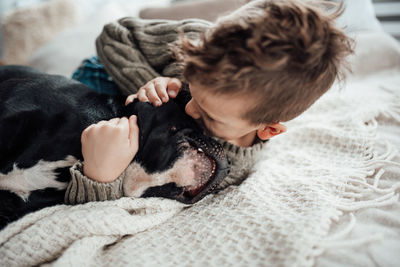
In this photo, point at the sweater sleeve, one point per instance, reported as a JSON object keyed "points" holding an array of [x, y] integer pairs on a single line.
{"points": [[122, 58], [134, 51], [82, 189]]}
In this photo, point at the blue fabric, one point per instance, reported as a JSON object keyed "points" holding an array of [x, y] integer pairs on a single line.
{"points": [[92, 73]]}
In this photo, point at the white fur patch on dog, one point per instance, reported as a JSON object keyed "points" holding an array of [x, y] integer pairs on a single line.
{"points": [[136, 179], [42, 175]]}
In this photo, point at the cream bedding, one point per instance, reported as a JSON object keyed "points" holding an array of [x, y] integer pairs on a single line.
{"points": [[371, 236], [323, 194]]}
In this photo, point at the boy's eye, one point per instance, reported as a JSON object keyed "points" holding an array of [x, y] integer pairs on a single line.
{"points": [[209, 118]]}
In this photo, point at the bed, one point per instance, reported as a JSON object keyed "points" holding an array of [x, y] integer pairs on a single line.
{"points": [[326, 193]]}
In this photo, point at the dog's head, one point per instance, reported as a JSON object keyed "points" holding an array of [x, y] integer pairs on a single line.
{"points": [[175, 160]]}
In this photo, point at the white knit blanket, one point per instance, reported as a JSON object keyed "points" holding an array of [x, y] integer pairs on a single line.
{"points": [[279, 216]]}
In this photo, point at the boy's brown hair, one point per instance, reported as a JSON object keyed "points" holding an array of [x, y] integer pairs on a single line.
{"points": [[283, 53]]}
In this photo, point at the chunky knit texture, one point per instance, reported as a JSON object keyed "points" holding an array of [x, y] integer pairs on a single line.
{"points": [[134, 51], [81, 189], [279, 216]]}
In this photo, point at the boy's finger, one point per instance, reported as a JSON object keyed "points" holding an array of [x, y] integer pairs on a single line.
{"points": [[161, 89], [123, 124], [114, 121], [100, 123], [85, 132], [130, 99], [152, 95], [141, 95], [122, 121], [174, 86], [133, 130]]}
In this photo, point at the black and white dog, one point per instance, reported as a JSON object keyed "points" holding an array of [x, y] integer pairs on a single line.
{"points": [[41, 120]]}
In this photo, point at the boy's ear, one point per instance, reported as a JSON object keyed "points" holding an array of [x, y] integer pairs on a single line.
{"points": [[267, 131]]}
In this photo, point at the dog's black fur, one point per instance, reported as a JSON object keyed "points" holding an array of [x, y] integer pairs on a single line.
{"points": [[42, 117]]}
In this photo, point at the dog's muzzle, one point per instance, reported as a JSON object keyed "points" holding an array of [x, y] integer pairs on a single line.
{"points": [[201, 168]]}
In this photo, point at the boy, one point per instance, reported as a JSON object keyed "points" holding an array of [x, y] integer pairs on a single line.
{"points": [[264, 64]]}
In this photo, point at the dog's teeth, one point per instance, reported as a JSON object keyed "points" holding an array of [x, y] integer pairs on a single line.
{"points": [[200, 150]]}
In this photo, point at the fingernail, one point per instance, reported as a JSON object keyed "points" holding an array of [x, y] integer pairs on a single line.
{"points": [[172, 93], [165, 99], [158, 103]]}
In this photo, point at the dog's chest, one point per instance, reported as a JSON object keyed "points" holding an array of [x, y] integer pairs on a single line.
{"points": [[44, 174]]}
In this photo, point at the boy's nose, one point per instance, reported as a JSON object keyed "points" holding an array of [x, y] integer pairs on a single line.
{"points": [[191, 110]]}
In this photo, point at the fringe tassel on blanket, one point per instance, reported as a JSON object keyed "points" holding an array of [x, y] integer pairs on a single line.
{"points": [[338, 240], [352, 203], [360, 194]]}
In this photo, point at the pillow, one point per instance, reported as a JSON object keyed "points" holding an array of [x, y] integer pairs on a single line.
{"points": [[374, 52], [26, 29], [359, 15]]}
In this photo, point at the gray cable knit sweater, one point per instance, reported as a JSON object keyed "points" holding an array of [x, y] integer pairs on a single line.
{"points": [[134, 51]]}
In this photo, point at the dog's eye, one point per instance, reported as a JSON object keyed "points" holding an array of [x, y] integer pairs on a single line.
{"points": [[173, 129]]}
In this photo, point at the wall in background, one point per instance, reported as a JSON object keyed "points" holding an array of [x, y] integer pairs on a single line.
{"points": [[388, 13]]}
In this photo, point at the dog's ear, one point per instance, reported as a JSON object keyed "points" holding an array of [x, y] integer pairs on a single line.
{"points": [[145, 113], [183, 96], [131, 108]]}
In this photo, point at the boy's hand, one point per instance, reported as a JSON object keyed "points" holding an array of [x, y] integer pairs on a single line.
{"points": [[108, 147], [157, 91]]}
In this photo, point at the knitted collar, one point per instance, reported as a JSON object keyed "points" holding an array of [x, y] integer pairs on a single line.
{"points": [[242, 151]]}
